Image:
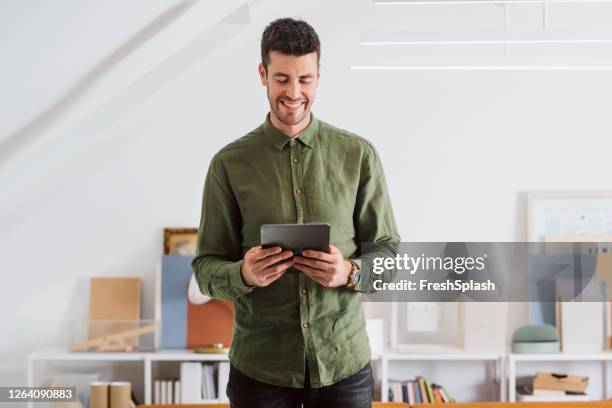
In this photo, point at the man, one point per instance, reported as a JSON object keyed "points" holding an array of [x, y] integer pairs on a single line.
{"points": [[299, 331]]}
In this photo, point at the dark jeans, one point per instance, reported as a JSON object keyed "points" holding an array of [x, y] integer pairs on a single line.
{"points": [[354, 391]]}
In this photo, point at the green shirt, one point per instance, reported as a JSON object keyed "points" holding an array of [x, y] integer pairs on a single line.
{"points": [[324, 175]]}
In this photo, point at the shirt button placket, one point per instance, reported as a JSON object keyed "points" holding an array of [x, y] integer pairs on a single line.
{"points": [[298, 189]]}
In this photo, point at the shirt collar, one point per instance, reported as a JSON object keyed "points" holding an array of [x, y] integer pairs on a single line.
{"points": [[279, 140]]}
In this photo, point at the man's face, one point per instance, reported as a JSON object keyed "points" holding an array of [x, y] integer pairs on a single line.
{"points": [[291, 84]]}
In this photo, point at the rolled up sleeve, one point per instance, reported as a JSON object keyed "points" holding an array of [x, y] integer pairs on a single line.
{"points": [[374, 219], [219, 252]]}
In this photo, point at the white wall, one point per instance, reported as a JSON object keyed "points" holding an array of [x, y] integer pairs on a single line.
{"points": [[92, 177]]}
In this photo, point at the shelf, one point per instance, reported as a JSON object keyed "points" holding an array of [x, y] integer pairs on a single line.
{"points": [[441, 356], [430, 2], [402, 37], [601, 356], [180, 355], [514, 360], [59, 354], [66, 355]]}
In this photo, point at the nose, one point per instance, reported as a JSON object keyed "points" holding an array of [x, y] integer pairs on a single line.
{"points": [[294, 91]]}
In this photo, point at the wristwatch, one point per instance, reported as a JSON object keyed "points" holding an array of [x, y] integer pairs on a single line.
{"points": [[354, 277]]}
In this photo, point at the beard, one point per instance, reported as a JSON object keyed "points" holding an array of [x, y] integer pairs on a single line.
{"points": [[287, 115]]}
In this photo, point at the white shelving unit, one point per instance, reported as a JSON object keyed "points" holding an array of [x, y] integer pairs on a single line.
{"points": [[514, 359], [496, 360], [146, 358]]}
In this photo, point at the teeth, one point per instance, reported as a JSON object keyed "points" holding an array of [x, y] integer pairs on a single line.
{"points": [[292, 105]]}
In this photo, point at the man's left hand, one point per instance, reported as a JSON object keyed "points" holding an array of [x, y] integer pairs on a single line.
{"points": [[329, 269]]}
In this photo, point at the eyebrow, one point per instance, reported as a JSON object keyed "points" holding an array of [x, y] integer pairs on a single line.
{"points": [[279, 74]]}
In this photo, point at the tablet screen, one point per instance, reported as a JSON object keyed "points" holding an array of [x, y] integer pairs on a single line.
{"points": [[296, 237]]}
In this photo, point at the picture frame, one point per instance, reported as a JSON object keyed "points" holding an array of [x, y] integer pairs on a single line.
{"points": [[568, 214], [180, 241], [427, 326]]}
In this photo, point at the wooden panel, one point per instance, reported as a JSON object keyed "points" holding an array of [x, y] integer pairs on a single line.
{"points": [[209, 323], [114, 299]]}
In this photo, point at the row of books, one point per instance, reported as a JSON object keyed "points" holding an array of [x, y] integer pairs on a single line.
{"points": [[417, 391], [198, 383], [167, 392], [554, 387], [209, 391], [204, 382]]}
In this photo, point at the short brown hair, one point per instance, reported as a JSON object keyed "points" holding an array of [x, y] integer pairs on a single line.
{"points": [[289, 37]]}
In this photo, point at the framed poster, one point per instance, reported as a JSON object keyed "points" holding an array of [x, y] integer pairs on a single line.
{"points": [[180, 241], [568, 213], [566, 217], [427, 326]]}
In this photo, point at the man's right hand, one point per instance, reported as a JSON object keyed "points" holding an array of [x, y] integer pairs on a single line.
{"points": [[260, 267]]}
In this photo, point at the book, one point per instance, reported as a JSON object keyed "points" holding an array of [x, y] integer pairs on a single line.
{"points": [[417, 392], [157, 392], [551, 398], [191, 382], [223, 370], [411, 397], [397, 392], [169, 391], [177, 391], [424, 395], [582, 323], [438, 391], [430, 395], [437, 396], [527, 393], [163, 396], [448, 396], [537, 391], [405, 392], [208, 386]]}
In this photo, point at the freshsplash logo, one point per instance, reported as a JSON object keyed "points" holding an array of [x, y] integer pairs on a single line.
{"points": [[412, 264]]}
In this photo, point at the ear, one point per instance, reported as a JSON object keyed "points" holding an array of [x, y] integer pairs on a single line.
{"points": [[263, 75]]}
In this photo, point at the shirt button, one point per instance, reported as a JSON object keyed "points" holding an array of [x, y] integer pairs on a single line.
{"points": [[292, 142], [305, 291], [298, 190], [296, 160], [305, 325]]}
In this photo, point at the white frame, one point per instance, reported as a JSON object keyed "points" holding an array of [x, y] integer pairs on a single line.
{"points": [[588, 199], [398, 345]]}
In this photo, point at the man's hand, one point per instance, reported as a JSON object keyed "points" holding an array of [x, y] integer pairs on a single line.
{"points": [[259, 267], [329, 269]]}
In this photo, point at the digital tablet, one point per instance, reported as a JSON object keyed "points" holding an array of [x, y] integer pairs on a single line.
{"points": [[296, 237]]}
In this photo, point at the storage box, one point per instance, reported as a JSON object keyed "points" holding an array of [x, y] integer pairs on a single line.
{"points": [[551, 381]]}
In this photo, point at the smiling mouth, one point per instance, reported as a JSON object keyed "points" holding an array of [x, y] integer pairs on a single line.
{"points": [[292, 105]]}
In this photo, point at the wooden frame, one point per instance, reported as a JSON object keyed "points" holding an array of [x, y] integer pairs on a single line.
{"points": [[180, 241]]}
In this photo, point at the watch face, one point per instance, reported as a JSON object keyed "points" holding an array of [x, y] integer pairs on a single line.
{"points": [[354, 275]]}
